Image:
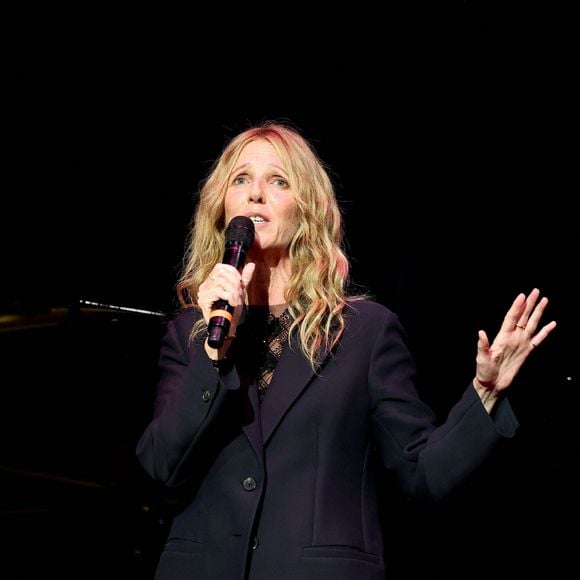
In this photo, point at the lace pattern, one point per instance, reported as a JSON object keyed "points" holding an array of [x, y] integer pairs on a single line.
{"points": [[262, 338]]}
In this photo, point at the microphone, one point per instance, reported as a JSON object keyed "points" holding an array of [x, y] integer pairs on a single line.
{"points": [[239, 239]]}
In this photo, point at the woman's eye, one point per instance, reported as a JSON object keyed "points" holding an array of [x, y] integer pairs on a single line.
{"points": [[280, 182], [240, 180]]}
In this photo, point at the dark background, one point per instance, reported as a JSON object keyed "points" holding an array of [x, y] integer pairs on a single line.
{"points": [[451, 135]]}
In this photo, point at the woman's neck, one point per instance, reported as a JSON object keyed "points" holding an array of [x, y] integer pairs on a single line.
{"points": [[268, 285]]}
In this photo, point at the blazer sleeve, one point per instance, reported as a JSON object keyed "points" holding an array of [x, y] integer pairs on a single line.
{"points": [[189, 399], [427, 458]]}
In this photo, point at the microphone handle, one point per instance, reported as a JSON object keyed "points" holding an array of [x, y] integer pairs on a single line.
{"points": [[219, 323], [222, 313]]}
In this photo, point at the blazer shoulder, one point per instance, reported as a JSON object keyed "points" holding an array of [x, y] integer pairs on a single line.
{"points": [[371, 320], [185, 318], [181, 323], [371, 312]]}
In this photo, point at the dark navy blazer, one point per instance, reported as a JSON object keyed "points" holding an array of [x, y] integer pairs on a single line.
{"points": [[288, 491]]}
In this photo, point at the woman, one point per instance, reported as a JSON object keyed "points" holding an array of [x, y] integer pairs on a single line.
{"points": [[275, 434]]}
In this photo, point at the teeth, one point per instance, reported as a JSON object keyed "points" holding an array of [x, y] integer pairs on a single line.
{"points": [[257, 219]]}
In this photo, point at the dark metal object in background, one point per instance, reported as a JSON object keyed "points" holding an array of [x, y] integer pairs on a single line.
{"points": [[77, 390]]}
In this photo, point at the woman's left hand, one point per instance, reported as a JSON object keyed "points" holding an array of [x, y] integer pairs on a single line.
{"points": [[498, 363]]}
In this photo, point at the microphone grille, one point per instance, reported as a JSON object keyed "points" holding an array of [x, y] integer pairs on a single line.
{"points": [[241, 229]]}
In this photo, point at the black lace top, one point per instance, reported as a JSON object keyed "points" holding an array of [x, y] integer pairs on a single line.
{"points": [[259, 344]]}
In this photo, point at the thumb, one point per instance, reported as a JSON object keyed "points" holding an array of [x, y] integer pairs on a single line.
{"points": [[247, 273], [482, 341]]}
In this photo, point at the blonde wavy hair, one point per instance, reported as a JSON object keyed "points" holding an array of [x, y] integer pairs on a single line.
{"points": [[316, 291]]}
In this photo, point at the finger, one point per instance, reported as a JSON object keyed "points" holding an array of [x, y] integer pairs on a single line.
{"points": [[482, 348], [247, 273], [224, 272], [536, 315], [221, 285], [529, 306], [514, 313], [482, 341], [540, 336]]}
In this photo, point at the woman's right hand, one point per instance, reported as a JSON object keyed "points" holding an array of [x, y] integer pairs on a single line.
{"points": [[225, 283]]}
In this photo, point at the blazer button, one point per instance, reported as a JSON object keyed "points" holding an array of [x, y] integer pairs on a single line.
{"points": [[205, 396], [255, 542], [249, 484]]}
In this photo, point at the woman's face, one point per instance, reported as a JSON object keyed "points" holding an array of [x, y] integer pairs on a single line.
{"points": [[259, 189]]}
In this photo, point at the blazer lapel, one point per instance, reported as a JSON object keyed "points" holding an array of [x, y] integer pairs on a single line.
{"points": [[291, 376], [251, 420]]}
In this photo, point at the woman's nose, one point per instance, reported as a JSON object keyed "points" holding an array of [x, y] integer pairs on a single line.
{"points": [[257, 191]]}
